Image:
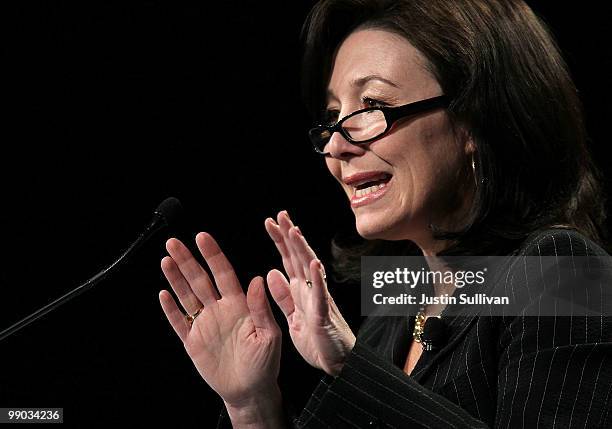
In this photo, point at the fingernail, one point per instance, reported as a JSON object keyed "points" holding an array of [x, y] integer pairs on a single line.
{"points": [[320, 265], [170, 243]]}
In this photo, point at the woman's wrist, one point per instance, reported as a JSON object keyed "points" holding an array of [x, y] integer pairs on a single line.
{"points": [[348, 348], [264, 410]]}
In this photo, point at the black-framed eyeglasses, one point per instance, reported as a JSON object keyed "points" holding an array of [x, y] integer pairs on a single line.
{"points": [[371, 123]]}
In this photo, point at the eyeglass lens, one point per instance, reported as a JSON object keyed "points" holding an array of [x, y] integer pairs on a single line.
{"points": [[360, 127], [365, 125]]}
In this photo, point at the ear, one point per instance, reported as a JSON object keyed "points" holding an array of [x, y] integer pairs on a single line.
{"points": [[467, 141]]}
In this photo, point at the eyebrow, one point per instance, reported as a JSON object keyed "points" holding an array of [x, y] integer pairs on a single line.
{"points": [[360, 82]]}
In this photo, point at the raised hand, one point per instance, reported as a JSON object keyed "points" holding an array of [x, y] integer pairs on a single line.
{"points": [[318, 330], [234, 341]]}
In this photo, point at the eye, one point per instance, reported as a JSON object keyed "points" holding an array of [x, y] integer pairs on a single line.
{"points": [[330, 116], [371, 102]]}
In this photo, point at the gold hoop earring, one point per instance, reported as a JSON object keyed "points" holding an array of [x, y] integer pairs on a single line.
{"points": [[474, 170]]}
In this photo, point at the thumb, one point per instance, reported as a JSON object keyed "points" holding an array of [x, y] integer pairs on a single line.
{"points": [[259, 307], [281, 292]]}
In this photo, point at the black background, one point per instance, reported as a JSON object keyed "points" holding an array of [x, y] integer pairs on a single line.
{"points": [[111, 107]]}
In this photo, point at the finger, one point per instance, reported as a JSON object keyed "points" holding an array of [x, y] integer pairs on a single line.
{"points": [[259, 307], [174, 315], [303, 253], [319, 289], [276, 235], [279, 288], [223, 272], [189, 301], [192, 271], [285, 225]]}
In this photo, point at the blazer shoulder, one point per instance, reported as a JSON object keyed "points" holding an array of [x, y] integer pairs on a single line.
{"points": [[559, 242]]}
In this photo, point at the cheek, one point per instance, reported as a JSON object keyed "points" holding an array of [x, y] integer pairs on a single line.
{"points": [[425, 158], [442, 162]]}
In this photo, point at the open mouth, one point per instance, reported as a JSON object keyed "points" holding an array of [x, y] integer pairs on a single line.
{"points": [[373, 185]]}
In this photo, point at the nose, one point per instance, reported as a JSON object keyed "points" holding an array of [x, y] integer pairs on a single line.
{"points": [[340, 148]]}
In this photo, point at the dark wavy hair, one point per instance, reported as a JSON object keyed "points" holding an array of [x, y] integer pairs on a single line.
{"points": [[510, 87]]}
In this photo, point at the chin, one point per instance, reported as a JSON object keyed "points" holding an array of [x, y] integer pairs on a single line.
{"points": [[371, 228], [384, 227]]}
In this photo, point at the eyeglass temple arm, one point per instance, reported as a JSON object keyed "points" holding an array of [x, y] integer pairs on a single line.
{"points": [[394, 113]]}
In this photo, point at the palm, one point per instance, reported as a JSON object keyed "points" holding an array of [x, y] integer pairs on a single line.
{"points": [[234, 342], [318, 330]]}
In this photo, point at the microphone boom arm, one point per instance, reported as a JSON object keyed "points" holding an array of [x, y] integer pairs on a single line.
{"points": [[159, 222]]}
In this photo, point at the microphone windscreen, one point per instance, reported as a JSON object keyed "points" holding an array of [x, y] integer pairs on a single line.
{"points": [[171, 210], [435, 332]]}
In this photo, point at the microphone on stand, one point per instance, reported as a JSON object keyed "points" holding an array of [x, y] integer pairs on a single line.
{"points": [[166, 215]]}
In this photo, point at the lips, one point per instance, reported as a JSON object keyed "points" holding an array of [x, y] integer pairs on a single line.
{"points": [[361, 180], [368, 186]]}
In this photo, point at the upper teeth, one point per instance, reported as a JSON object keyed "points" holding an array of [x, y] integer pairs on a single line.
{"points": [[365, 191]]}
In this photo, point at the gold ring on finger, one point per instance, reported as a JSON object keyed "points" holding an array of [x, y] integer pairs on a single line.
{"points": [[191, 317]]}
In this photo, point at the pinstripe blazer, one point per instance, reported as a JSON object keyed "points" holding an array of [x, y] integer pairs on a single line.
{"points": [[502, 372]]}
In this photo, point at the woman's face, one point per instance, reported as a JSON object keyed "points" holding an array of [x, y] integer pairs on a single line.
{"points": [[426, 163]]}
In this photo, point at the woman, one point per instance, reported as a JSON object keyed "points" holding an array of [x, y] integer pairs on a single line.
{"points": [[486, 156]]}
